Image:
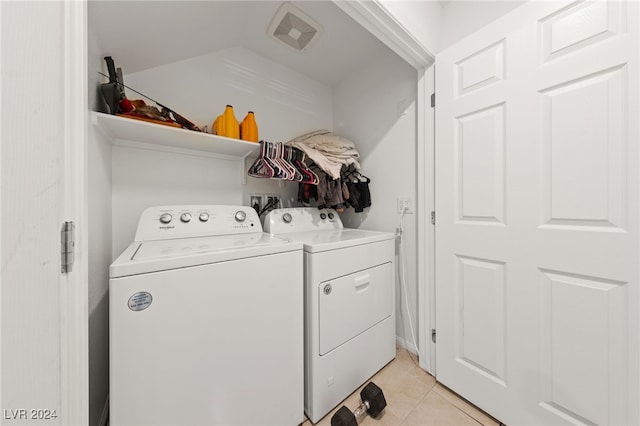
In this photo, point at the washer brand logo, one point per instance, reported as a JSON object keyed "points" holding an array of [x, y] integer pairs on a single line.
{"points": [[140, 301], [167, 227]]}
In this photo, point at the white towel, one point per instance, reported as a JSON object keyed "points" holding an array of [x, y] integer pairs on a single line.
{"points": [[328, 150]]}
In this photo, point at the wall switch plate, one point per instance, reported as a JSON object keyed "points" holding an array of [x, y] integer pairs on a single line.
{"points": [[405, 203]]}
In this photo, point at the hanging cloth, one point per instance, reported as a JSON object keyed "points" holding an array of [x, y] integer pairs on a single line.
{"points": [[358, 187], [328, 150]]}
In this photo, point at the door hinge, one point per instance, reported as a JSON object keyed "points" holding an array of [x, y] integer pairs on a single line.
{"points": [[433, 335], [433, 100], [433, 217], [67, 245]]}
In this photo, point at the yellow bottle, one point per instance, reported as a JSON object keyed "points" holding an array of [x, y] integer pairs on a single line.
{"points": [[249, 128], [227, 124], [215, 128], [230, 123]]}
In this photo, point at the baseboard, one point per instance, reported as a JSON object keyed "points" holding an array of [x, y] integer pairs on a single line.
{"points": [[104, 418], [400, 341]]}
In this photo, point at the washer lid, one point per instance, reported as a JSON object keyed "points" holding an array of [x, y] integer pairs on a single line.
{"points": [[161, 255], [319, 241]]}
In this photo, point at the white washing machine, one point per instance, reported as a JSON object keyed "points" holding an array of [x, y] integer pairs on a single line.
{"points": [[349, 303], [206, 321]]}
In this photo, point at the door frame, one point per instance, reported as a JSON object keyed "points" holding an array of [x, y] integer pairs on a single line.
{"points": [[376, 18], [426, 249], [74, 314]]}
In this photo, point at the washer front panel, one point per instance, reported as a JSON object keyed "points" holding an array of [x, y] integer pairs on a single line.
{"points": [[211, 344]]}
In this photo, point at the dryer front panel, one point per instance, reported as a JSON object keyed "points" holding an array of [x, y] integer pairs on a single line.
{"points": [[351, 304]]}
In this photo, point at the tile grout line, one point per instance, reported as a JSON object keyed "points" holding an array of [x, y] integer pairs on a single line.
{"points": [[465, 404], [417, 405]]}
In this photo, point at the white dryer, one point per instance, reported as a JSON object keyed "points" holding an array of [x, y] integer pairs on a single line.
{"points": [[349, 303], [206, 321]]}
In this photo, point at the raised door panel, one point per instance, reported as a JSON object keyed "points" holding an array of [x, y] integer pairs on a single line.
{"points": [[579, 25], [481, 328], [583, 347], [584, 151], [480, 69], [479, 169]]}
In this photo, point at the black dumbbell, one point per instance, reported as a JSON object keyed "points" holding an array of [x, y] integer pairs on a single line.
{"points": [[373, 403]]}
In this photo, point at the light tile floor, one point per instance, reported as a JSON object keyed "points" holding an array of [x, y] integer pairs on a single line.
{"points": [[414, 398]]}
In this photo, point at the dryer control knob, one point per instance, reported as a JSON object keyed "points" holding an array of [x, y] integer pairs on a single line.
{"points": [[185, 217], [287, 218], [204, 217], [330, 215], [323, 216], [165, 218], [240, 216]]}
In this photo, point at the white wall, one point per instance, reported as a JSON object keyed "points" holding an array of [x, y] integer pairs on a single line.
{"points": [[438, 25], [462, 18], [144, 178], [378, 113], [423, 19], [285, 103]]}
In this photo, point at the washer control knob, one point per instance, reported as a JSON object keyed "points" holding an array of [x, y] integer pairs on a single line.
{"points": [[204, 216], [165, 218], [287, 218], [185, 217], [323, 216], [331, 215], [240, 216]]}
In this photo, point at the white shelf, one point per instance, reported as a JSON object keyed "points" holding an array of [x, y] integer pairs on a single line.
{"points": [[141, 134]]}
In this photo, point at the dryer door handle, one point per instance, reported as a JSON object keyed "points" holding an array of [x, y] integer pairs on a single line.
{"points": [[362, 282]]}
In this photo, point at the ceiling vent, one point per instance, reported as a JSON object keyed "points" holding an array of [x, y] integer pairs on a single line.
{"points": [[294, 28]]}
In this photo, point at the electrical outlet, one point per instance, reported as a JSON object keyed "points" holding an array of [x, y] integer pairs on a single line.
{"points": [[255, 201], [272, 198], [405, 204]]}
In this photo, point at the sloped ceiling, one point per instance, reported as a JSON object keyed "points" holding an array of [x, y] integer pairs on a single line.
{"points": [[146, 34]]}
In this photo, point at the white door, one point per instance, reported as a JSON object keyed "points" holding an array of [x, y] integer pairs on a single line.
{"points": [[43, 317], [537, 215]]}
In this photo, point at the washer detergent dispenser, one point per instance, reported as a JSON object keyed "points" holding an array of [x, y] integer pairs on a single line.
{"points": [[349, 294], [206, 319]]}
